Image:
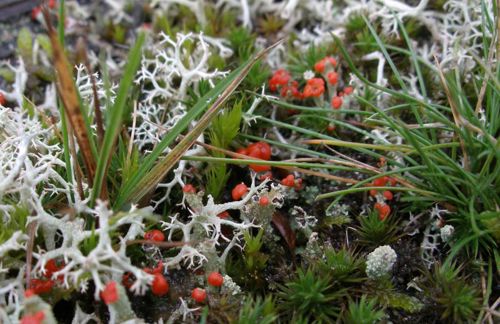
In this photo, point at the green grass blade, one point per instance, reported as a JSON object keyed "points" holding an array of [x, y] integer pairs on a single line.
{"points": [[114, 122], [383, 49], [413, 56], [304, 165]]}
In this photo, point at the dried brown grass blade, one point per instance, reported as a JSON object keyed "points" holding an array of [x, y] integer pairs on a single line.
{"points": [[69, 97]]}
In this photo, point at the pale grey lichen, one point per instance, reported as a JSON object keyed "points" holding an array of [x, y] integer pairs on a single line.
{"points": [[379, 263], [230, 287], [429, 248], [447, 232]]}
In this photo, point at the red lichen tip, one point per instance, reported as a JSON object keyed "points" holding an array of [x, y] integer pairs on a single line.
{"points": [[160, 285], [279, 78], [52, 4], [157, 269], [36, 318], [383, 210], [336, 102], [40, 286], [288, 181], [332, 61], [260, 150], [29, 293], [199, 295], [154, 235], [189, 188], [239, 191], [215, 279], [315, 87], [223, 215], [242, 151], [264, 201], [110, 293], [388, 195], [332, 77], [127, 280], [380, 182], [319, 67], [265, 176], [35, 12], [52, 266]]}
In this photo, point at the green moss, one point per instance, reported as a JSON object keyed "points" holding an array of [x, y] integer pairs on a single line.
{"points": [[363, 312], [25, 45], [373, 232], [309, 297], [456, 300]]}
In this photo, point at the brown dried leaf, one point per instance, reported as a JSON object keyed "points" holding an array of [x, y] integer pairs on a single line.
{"points": [[283, 225]]}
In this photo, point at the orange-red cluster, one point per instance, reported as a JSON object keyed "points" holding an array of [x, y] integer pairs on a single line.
{"points": [[383, 209], [260, 150], [239, 191], [45, 285], [290, 181], [321, 64], [315, 87], [41, 286], [282, 81], [160, 285]]}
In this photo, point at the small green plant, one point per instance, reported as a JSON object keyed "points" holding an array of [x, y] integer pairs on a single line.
{"points": [[225, 127], [363, 312], [242, 41], [456, 300], [301, 62], [309, 296], [17, 221], [374, 232], [271, 24], [258, 310], [343, 266], [255, 261], [247, 267]]}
